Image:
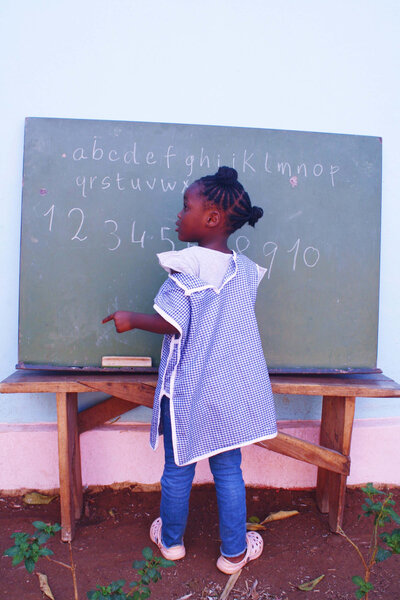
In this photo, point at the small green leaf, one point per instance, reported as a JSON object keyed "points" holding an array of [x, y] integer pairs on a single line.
{"points": [[382, 555], [394, 515], [20, 537], [254, 519], [392, 540], [139, 564], [147, 553], [145, 593], [43, 538], [17, 559], [363, 586], [164, 563], [39, 525], [116, 586], [30, 565], [371, 490], [11, 551]]}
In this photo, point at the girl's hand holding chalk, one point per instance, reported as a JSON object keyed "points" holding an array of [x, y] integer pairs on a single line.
{"points": [[123, 320]]}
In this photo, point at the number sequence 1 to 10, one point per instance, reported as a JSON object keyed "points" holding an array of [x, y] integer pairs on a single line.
{"points": [[309, 255]]}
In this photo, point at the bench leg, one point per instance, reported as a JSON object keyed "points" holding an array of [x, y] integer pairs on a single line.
{"points": [[336, 430], [69, 460]]}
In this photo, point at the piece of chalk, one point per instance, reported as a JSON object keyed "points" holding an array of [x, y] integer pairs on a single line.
{"points": [[126, 361]]}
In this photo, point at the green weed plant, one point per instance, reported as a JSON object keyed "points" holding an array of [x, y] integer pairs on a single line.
{"points": [[380, 506], [29, 548], [149, 571]]}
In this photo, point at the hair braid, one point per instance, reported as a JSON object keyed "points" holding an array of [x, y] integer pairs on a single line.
{"points": [[225, 191]]}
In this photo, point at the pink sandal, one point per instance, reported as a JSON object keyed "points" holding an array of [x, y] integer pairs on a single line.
{"points": [[173, 553], [255, 547]]}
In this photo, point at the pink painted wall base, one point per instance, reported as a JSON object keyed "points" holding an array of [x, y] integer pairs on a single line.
{"points": [[121, 453]]}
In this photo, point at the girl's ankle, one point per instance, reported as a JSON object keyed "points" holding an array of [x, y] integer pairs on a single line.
{"points": [[236, 559]]}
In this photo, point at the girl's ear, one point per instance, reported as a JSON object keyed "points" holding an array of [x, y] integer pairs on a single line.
{"points": [[213, 218]]}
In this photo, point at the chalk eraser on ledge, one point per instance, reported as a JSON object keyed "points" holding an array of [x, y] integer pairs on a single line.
{"points": [[126, 361]]}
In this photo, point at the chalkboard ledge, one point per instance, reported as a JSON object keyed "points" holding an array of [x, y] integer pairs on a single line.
{"points": [[86, 369], [272, 370]]}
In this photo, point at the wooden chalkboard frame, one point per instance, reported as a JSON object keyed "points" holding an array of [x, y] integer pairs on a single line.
{"points": [[319, 238]]}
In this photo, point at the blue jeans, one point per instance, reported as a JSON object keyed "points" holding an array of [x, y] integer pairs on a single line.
{"points": [[176, 484]]}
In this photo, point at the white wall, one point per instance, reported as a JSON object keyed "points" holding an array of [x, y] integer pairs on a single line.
{"points": [[316, 65]]}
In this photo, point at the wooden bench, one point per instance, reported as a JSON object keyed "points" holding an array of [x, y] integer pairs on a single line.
{"points": [[128, 390]]}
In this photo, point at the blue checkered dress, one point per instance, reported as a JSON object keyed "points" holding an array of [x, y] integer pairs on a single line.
{"points": [[214, 372]]}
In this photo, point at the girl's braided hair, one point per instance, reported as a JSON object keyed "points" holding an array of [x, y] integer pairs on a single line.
{"points": [[225, 191]]}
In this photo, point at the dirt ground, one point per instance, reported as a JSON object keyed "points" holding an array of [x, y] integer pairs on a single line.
{"points": [[114, 530]]}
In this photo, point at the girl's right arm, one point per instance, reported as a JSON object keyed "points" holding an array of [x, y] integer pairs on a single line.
{"points": [[125, 321]]}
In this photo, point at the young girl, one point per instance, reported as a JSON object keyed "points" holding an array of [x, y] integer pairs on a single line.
{"points": [[213, 393]]}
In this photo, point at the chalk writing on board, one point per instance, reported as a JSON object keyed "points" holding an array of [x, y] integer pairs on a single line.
{"points": [[50, 212], [130, 156], [133, 241], [81, 219], [164, 237], [137, 157], [122, 184], [310, 255], [113, 233], [92, 184]]}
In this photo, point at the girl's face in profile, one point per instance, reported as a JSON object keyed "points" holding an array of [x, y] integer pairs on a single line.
{"points": [[191, 223]]}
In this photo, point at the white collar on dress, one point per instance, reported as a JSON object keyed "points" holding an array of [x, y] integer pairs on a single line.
{"points": [[191, 283]]}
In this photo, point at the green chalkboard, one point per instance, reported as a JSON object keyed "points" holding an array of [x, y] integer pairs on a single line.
{"points": [[100, 199]]}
